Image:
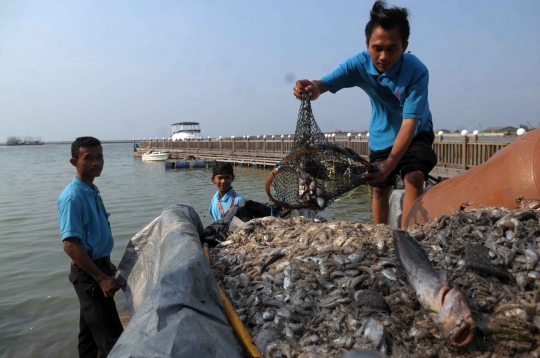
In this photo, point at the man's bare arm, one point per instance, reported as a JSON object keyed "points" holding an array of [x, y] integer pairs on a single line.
{"points": [[76, 252], [401, 144], [403, 140]]}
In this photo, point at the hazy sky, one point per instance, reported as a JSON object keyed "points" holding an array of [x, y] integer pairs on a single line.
{"points": [[127, 69]]}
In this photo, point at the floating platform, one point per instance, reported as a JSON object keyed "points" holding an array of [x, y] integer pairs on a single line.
{"points": [[189, 164]]}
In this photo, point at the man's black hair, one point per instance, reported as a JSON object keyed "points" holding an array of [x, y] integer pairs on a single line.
{"points": [[388, 18], [222, 168], [84, 142]]}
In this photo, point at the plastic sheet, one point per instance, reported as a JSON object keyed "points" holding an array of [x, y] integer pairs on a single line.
{"points": [[172, 294]]}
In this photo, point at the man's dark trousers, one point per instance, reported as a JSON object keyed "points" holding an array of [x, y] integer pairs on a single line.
{"points": [[99, 326]]}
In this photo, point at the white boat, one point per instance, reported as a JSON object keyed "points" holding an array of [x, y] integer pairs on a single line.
{"points": [[155, 156], [185, 131]]}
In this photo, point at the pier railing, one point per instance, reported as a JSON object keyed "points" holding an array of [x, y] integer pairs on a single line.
{"points": [[465, 154], [462, 154]]}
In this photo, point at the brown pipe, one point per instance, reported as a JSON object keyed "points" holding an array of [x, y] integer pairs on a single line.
{"points": [[234, 320], [512, 173]]}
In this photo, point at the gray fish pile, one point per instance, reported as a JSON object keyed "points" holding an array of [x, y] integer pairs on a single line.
{"points": [[310, 289]]}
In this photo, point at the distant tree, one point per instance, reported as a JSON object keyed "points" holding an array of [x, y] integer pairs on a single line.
{"points": [[526, 127], [457, 131]]}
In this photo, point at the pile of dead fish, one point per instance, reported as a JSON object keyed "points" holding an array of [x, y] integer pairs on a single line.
{"points": [[310, 289]]}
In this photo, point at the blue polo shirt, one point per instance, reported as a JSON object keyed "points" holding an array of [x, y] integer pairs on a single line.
{"points": [[399, 93], [225, 203], [82, 215]]}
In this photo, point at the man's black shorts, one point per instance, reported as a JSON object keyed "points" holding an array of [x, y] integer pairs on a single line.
{"points": [[419, 156]]}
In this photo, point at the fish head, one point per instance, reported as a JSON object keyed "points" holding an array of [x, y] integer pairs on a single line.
{"points": [[454, 317]]}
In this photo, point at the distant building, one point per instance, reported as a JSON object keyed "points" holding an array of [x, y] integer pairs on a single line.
{"points": [[506, 130]]}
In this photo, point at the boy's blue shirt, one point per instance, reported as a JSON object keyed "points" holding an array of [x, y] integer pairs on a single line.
{"points": [[82, 214], [399, 93], [225, 203]]}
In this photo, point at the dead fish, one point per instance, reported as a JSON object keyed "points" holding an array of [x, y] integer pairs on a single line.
{"points": [[275, 257], [447, 306], [509, 222], [442, 239], [311, 191], [528, 203], [362, 353], [477, 259], [389, 274], [370, 301]]}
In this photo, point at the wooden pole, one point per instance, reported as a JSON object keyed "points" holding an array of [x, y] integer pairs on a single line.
{"points": [[464, 152]]}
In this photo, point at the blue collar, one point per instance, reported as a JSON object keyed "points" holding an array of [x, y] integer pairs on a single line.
{"points": [[372, 70], [226, 197], [82, 186]]}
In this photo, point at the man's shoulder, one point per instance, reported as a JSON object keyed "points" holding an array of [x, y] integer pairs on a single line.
{"points": [[214, 198], [240, 197], [413, 63], [361, 59], [71, 193]]}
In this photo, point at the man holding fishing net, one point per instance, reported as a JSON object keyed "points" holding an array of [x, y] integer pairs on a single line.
{"points": [[401, 129]]}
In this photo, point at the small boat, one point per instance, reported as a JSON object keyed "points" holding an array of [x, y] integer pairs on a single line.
{"points": [[155, 156]]}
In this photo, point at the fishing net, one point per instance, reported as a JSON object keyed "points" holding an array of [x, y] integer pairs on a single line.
{"points": [[316, 172]]}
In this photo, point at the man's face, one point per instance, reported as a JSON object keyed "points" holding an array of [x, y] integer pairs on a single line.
{"points": [[90, 162], [223, 182], [385, 48]]}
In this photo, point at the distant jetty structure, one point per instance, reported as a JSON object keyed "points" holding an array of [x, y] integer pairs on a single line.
{"points": [[12, 140], [454, 156]]}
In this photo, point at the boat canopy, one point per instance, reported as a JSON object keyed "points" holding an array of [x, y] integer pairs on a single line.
{"points": [[185, 131], [185, 127]]}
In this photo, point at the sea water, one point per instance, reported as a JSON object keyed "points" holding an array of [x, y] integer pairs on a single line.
{"points": [[39, 310]]}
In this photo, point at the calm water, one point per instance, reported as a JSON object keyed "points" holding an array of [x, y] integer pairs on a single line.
{"points": [[38, 307]]}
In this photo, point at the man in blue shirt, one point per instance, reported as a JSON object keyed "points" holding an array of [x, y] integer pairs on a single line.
{"points": [[88, 241], [225, 197], [401, 130]]}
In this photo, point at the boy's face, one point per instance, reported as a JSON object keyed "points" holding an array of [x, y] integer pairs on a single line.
{"points": [[223, 182], [90, 162], [385, 48]]}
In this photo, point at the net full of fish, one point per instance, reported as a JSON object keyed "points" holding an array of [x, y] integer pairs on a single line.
{"points": [[311, 289], [316, 172]]}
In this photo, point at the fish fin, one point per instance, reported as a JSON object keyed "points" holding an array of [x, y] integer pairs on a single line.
{"points": [[441, 274]]}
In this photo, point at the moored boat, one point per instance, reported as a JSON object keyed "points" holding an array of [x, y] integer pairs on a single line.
{"points": [[151, 155], [185, 131]]}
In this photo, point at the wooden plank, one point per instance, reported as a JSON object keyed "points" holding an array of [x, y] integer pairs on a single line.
{"points": [[124, 316]]}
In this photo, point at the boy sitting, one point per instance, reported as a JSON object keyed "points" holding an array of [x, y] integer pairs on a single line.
{"points": [[225, 197]]}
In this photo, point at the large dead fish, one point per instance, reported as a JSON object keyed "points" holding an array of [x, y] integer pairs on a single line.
{"points": [[446, 306]]}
